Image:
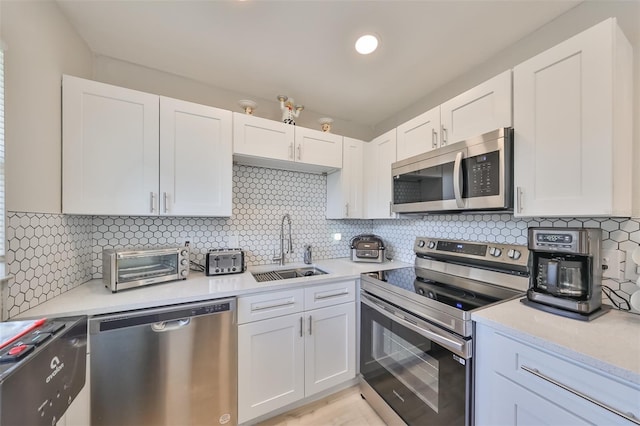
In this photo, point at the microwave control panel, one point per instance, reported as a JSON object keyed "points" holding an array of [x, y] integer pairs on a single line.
{"points": [[483, 175]]}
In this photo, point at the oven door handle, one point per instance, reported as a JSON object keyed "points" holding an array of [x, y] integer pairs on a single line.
{"points": [[392, 314]]}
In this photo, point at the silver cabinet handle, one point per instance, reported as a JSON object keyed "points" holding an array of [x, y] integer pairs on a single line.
{"points": [[301, 327], [390, 208], [272, 305], [445, 137], [310, 323], [346, 210], [457, 179], [519, 195], [544, 377], [434, 139], [153, 202], [299, 152], [164, 202], [291, 151], [327, 296]]}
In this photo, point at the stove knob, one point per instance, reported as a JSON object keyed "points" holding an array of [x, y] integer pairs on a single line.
{"points": [[183, 273], [184, 253], [432, 244], [421, 243], [492, 251], [184, 262], [514, 254], [497, 252]]}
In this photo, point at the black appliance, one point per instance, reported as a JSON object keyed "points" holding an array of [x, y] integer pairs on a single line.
{"points": [[566, 272], [42, 369], [367, 248], [470, 175], [416, 358]]}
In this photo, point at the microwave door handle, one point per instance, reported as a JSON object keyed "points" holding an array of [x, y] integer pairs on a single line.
{"points": [[457, 179]]}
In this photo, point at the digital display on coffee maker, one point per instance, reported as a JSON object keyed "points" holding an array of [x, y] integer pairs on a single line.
{"points": [[554, 238]]}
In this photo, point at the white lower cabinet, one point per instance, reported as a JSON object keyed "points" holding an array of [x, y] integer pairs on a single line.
{"points": [[516, 383], [290, 356]]}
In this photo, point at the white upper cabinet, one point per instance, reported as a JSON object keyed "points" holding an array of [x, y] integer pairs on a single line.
{"points": [[195, 159], [345, 188], [379, 155], [110, 149], [572, 125], [419, 135], [132, 153], [259, 137], [268, 143], [479, 110]]}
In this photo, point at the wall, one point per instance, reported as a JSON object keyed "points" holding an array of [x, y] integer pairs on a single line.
{"points": [[125, 74], [41, 46]]}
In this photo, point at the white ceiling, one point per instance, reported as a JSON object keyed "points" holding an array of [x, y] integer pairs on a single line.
{"points": [[304, 49]]}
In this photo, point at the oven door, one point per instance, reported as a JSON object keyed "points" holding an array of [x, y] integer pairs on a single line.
{"points": [[422, 372]]}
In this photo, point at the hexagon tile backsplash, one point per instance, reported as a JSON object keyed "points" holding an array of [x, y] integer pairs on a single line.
{"points": [[49, 254]]}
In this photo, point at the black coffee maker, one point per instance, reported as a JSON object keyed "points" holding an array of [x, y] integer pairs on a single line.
{"points": [[566, 271]]}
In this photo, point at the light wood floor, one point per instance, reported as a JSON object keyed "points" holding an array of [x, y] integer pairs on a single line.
{"points": [[340, 409]]}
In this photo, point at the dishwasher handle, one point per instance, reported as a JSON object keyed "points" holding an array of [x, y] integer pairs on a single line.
{"points": [[165, 318]]}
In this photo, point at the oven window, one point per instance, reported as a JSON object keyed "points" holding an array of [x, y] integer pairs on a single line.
{"points": [[423, 382], [411, 365], [139, 268]]}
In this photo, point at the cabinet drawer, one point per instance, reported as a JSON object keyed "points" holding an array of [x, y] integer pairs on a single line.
{"points": [[550, 374], [269, 305], [329, 294]]}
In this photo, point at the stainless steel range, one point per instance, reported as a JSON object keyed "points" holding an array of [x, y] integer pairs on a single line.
{"points": [[416, 329]]}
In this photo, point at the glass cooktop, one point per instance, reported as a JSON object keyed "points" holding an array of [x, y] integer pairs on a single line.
{"points": [[459, 296]]}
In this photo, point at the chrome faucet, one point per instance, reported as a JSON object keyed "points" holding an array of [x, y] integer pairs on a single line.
{"points": [[281, 259]]}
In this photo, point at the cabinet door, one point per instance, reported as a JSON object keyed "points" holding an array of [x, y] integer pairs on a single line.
{"points": [[345, 188], [330, 347], [270, 365], [318, 148], [380, 154], [419, 135], [195, 159], [259, 137], [110, 150], [479, 110], [572, 157]]}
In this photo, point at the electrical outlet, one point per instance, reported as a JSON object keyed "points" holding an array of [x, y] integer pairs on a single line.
{"points": [[613, 260], [631, 270]]}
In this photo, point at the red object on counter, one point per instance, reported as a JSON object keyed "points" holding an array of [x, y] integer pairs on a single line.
{"points": [[19, 332]]}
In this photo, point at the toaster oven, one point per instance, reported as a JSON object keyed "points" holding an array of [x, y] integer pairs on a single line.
{"points": [[129, 268]]}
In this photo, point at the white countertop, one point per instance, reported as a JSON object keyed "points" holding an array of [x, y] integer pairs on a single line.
{"points": [[93, 298], [610, 343]]}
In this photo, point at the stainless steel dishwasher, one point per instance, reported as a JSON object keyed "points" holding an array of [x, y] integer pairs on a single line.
{"points": [[175, 365]]}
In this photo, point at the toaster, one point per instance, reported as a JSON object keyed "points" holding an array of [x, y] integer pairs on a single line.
{"points": [[224, 261], [367, 248]]}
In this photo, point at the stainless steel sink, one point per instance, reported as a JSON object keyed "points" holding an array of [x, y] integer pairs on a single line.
{"points": [[285, 274]]}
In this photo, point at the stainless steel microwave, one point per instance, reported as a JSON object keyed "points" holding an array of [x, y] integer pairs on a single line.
{"points": [[471, 175]]}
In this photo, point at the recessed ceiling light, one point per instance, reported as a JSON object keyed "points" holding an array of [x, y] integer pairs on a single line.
{"points": [[367, 44]]}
